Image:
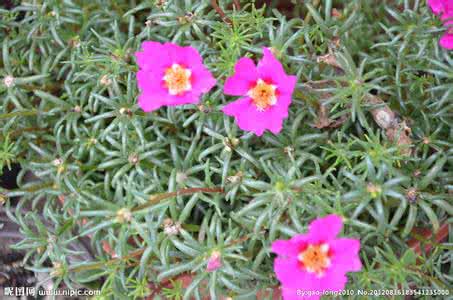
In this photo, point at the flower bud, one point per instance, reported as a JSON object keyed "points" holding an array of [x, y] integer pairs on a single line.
{"points": [[58, 270], [235, 178], [133, 159], [181, 177], [57, 162], [373, 189], [105, 80], [411, 194], [123, 215], [77, 109], [230, 144], [214, 261], [171, 228], [8, 81]]}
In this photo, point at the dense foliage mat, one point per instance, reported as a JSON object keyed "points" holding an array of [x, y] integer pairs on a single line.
{"points": [[138, 204]]}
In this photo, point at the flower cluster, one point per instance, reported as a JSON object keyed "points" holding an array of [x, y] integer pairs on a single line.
{"points": [[444, 8], [173, 75]]}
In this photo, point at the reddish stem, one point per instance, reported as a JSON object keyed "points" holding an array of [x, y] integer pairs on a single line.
{"points": [[427, 236], [237, 4], [219, 10]]}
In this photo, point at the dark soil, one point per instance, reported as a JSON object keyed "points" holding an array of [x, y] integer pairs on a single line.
{"points": [[12, 271]]}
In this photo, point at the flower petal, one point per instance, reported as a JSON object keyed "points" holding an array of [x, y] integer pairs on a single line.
{"points": [[149, 102], [291, 275], [190, 56], [244, 77], [325, 229], [333, 280], [286, 247], [437, 6], [287, 86], [346, 254], [446, 41], [249, 118], [447, 16], [151, 81], [241, 110], [153, 56], [202, 79], [153, 94], [271, 69], [270, 62]]}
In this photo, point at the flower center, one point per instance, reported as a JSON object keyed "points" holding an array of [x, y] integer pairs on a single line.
{"points": [[263, 95], [177, 79], [315, 259]]}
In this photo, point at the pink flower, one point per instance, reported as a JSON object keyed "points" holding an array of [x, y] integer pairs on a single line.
{"points": [[446, 40], [444, 8], [214, 261], [309, 264], [265, 92], [170, 75], [437, 6]]}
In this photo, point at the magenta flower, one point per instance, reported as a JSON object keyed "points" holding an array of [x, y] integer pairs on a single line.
{"points": [[444, 8], [309, 264], [170, 75], [214, 261], [265, 92]]}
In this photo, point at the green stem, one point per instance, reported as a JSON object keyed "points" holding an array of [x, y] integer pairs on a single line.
{"points": [[308, 16], [429, 278], [34, 188], [19, 132], [21, 113], [112, 261], [153, 199]]}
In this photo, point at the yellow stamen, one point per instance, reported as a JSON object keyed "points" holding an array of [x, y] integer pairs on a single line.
{"points": [[177, 79], [315, 259], [263, 95]]}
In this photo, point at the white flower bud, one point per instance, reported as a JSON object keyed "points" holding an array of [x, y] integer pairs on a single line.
{"points": [[171, 228], [57, 162], [77, 109], [133, 159], [123, 215], [8, 81], [181, 177], [105, 80]]}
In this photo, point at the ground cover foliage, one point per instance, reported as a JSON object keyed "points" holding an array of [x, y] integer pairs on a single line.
{"points": [[135, 203]]}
